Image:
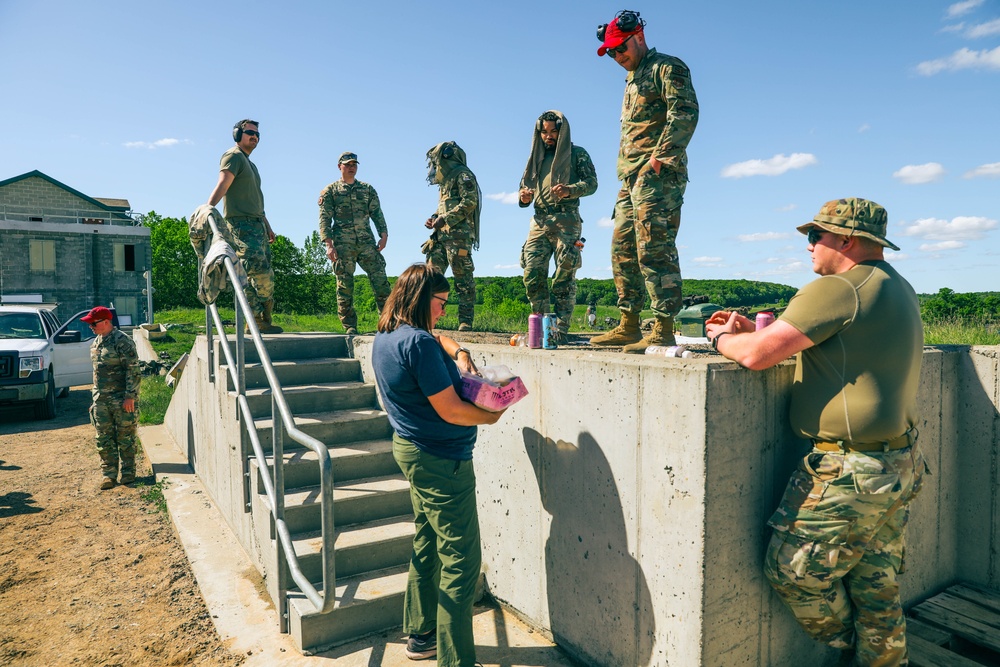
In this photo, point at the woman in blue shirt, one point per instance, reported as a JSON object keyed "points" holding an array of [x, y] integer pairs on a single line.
{"points": [[435, 432]]}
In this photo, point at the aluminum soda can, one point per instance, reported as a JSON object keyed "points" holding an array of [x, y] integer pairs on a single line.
{"points": [[764, 318], [548, 331], [535, 330]]}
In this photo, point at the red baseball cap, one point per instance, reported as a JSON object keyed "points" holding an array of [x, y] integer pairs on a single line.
{"points": [[96, 314], [614, 36]]}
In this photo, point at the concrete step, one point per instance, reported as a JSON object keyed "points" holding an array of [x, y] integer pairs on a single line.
{"points": [[300, 371], [283, 347], [326, 396], [365, 604], [353, 502], [363, 547], [356, 460], [333, 427]]}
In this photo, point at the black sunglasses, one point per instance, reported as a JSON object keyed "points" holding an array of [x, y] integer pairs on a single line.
{"points": [[621, 48], [252, 133], [814, 235]]}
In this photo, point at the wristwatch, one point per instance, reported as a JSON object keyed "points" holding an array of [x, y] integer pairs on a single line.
{"points": [[715, 341], [463, 349]]}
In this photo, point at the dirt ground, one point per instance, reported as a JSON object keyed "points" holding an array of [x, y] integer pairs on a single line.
{"points": [[89, 577]]}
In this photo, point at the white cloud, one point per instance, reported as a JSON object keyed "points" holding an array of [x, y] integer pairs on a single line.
{"points": [[962, 8], [955, 27], [763, 236], [944, 245], [504, 197], [984, 29], [606, 222], [506, 266], [159, 143], [915, 174], [960, 228], [991, 170], [707, 260], [864, 128], [787, 207], [891, 256], [774, 166], [962, 59]]}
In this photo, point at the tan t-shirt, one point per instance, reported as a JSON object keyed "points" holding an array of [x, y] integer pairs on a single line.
{"points": [[244, 198], [859, 381]]}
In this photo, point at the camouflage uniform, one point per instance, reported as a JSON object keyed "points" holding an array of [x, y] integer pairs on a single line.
{"points": [[452, 243], [659, 115], [344, 211], [555, 229], [244, 211], [116, 378]]}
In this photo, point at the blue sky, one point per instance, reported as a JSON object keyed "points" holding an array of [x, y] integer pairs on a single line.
{"points": [[801, 102]]}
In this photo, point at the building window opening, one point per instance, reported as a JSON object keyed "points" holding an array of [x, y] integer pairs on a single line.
{"points": [[124, 257], [41, 255]]}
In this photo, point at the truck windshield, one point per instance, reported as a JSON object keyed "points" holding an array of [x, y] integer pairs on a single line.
{"points": [[21, 325]]}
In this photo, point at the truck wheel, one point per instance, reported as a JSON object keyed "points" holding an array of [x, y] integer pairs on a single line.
{"points": [[47, 408], [63, 392]]}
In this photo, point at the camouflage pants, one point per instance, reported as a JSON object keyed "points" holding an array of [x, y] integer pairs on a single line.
{"points": [[552, 235], [838, 546], [251, 245], [115, 435], [351, 253], [454, 249], [643, 244]]}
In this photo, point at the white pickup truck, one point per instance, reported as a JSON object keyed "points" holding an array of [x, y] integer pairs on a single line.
{"points": [[41, 358]]}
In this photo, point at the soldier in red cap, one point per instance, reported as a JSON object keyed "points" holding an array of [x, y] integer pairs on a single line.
{"points": [[659, 114], [116, 391]]}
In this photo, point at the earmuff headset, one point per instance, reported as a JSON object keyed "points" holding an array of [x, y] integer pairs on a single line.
{"points": [[448, 150], [238, 129], [627, 22], [538, 123]]}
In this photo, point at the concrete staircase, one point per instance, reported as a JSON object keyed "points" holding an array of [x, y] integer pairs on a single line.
{"points": [[372, 511]]}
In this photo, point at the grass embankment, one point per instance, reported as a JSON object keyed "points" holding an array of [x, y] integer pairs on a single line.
{"points": [[961, 332]]}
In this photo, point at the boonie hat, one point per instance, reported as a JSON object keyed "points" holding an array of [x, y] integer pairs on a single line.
{"points": [[347, 156], [614, 36], [852, 216], [96, 314]]}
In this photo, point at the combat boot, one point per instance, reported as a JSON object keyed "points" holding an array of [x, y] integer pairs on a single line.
{"points": [[268, 327], [626, 332], [662, 334], [108, 483], [465, 326]]}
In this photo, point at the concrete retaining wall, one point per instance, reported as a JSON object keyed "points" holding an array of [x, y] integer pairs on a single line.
{"points": [[624, 502]]}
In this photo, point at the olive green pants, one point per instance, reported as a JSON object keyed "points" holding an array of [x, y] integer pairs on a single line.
{"points": [[447, 555]]}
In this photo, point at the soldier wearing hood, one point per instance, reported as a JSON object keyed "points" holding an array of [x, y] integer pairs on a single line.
{"points": [[455, 223], [558, 173], [659, 114]]}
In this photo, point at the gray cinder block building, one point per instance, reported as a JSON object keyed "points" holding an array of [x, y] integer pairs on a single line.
{"points": [[72, 249]]}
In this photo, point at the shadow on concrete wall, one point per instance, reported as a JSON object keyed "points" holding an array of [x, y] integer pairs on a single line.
{"points": [[599, 602]]}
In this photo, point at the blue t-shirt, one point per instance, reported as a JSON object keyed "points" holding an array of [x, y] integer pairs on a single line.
{"points": [[409, 366]]}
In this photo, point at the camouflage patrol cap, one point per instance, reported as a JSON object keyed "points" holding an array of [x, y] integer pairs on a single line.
{"points": [[852, 216], [347, 156]]}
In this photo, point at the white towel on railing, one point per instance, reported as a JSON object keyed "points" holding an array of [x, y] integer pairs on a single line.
{"points": [[213, 271]]}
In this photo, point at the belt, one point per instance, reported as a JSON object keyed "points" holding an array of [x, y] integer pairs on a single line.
{"points": [[901, 442], [552, 210], [243, 218]]}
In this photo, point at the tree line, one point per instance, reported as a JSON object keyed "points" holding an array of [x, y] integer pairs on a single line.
{"points": [[305, 285]]}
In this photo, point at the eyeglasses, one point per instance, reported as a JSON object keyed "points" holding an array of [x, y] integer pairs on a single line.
{"points": [[252, 133], [444, 301], [814, 235], [621, 48]]}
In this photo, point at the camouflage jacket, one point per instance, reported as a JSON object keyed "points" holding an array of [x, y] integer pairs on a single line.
{"points": [[342, 205], [583, 182], [116, 367], [659, 114], [458, 198]]}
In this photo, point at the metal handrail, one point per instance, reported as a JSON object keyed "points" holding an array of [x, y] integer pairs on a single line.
{"points": [[284, 423]]}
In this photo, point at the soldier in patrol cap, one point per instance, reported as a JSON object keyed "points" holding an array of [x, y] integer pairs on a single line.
{"points": [[659, 115], [837, 542], [558, 173], [455, 224], [345, 207], [116, 393]]}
